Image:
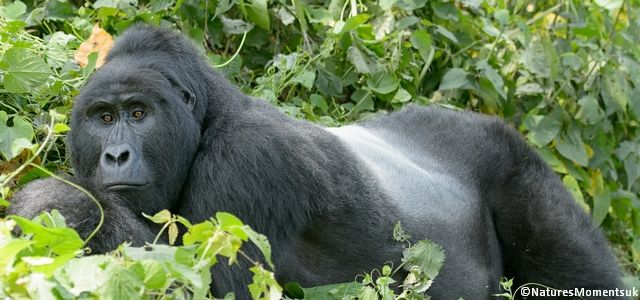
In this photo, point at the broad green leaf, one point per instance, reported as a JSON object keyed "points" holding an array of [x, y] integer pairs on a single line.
{"points": [[535, 60], [363, 63], [573, 149], [543, 129], [58, 240], [601, 203], [426, 255], [154, 275], [223, 6], [454, 79], [401, 96], [85, 274], [121, 283], [421, 41], [160, 5], [258, 13], [354, 22], [571, 184], [610, 4], [383, 83], [363, 101], [14, 139], [233, 26], [319, 102], [13, 11], [24, 71], [448, 34], [386, 4], [161, 217], [492, 75], [590, 111]]}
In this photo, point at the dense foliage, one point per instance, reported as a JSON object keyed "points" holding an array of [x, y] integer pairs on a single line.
{"points": [[565, 73]]}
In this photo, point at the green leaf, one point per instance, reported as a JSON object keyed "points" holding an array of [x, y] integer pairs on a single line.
{"points": [[161, 217], [363, 63], [572, 148], [262, 242], [454, 79], [154, 274], [319, 102], [233, 26], [14, 139], [386, 4], [354, 22], [160, 5], [543, 129], [492, 75], [426, 255], [60, 128], [535, 60], [421, 41], [448, 34], [258, 13], [363, 101], [383, 83], [401, 96], [571, 184], [121, 283], [24, 70], [293, 290], [610, 4], [58, 240], [84, 274], [590, 111], [601, 203], [14, 10], [306, 79]]}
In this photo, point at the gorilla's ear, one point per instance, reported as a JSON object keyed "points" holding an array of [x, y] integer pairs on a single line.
{"points": [[188, 96]]}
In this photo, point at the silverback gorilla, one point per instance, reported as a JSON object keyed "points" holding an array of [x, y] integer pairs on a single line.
{"points": [[157, 128]]}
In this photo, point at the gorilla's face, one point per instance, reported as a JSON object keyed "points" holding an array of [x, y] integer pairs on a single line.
{"points": [[133, 136]]}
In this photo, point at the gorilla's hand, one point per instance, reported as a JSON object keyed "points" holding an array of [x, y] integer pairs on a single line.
{"points": [[82, 214]]}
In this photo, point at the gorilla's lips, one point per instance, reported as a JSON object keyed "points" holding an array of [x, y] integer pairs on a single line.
{"points": [[124, 185]]}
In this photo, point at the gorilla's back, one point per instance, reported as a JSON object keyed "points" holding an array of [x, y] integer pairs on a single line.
{"points": [[437, 200]]}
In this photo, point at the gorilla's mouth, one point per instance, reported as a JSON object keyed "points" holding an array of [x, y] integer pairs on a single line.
{"points": [[124, 185]]}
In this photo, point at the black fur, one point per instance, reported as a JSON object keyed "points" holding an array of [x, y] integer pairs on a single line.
{"points": [[327, 201]]}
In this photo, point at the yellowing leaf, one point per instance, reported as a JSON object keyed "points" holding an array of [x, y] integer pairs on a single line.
{"points": [[100, 41]]}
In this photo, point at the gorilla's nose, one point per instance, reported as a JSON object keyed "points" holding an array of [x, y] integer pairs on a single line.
{"points": [[116, 156]]}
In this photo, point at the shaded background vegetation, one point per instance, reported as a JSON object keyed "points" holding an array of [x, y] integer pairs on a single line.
{"points": [[565, 73]]}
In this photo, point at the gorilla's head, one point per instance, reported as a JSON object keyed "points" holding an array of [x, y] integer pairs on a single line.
{"points": [[136, 124]]}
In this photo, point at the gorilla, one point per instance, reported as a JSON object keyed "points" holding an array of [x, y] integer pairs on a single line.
{"points": [[157, 128]]}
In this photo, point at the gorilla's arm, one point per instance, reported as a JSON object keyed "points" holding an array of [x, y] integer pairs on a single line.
{"points": [[547, 238], [82, 214]]}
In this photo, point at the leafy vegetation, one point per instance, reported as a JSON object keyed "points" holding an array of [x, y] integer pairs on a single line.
{"points": [[565, 73]]}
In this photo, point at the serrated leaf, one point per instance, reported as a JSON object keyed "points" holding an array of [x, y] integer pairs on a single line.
{"points": [[426, 255], [13, 11], [24, 71], [121, 283]]}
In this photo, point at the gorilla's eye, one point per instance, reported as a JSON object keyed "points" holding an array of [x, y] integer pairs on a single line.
{"points": [[137, 114], [106, 118]]}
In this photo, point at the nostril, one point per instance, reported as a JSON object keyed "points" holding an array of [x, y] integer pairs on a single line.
{"points": [[123, 158], [110, 158]]}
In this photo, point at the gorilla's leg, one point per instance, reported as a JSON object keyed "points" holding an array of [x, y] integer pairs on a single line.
{"points": [[82, 214], [546, 237]]}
